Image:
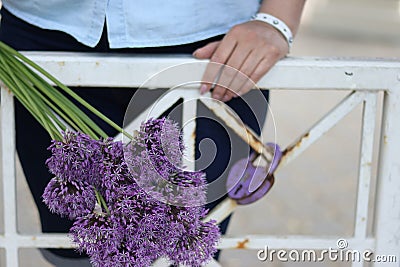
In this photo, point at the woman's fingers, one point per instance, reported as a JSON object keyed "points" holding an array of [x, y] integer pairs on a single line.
{"points": [[243, 74], [206, 51], [223, 90], [247, 50], [253, 73], [217, 60]]}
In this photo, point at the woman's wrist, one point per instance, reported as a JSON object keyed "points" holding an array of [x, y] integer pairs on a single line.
{"points": [[288, 11], [278, 24]]}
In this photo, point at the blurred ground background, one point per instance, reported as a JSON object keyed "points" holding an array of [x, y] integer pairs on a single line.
{"points": [[315, 194]]}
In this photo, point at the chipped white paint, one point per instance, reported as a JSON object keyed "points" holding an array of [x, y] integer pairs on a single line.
{"points": [[366, 78]]}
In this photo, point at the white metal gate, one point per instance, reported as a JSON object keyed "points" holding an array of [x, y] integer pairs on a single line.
{"points": [[362, 79]]}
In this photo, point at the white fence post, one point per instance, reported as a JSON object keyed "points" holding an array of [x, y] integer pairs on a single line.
{"points": [[365, 165], [387, 212], [8, 178]]}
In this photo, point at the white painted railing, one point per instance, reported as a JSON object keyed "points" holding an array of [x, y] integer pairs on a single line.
{"points": [[362, 79]]}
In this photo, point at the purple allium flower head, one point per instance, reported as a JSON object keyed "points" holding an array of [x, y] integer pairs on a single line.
{"points": [[196, 247], [163, 138], [154, 158], [76, 157], [148, 239], [190, 188], [113, 171], [133, 204], [97, 233], [69, 198], [162, 142]]}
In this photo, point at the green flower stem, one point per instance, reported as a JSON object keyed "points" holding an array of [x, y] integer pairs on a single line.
{"points": [[60, 100], [64, 88], [101, 201], [97, 196], [65, 104], [20, 97], [35, 92], [39, 106], [74, 122], [25, 93], [48, 126]]}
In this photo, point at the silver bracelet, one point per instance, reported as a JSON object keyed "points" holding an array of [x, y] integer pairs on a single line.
{"points": [[277, 24]]}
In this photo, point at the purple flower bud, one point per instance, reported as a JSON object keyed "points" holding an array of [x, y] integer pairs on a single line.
{"points": [[97, 233], [69, 198], [197, 246], [75, 158]]}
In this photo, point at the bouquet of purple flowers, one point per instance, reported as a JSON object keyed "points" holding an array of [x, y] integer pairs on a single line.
{"points": [[131, 203], [116, 194]]}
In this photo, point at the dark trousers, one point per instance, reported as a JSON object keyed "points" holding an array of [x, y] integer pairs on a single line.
{"points": [[32, 139]]}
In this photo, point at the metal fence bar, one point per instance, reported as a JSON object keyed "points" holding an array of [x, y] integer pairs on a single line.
{"points": [[365, 166], [387, 211], [8, 178], [291, 242], [365, 169], [241, 242], [189, 111], [288, 74]]}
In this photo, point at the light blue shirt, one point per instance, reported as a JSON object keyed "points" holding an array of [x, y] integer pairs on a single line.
{"points": [[135, 23]]}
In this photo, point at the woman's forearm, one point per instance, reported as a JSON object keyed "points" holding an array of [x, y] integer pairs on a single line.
{"points": [[289, 11]]}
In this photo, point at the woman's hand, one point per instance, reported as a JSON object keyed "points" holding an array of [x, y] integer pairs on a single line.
{"points": [[251, 48]]}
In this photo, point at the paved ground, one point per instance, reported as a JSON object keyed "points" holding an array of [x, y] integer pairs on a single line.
{"points": [[315, 194]]}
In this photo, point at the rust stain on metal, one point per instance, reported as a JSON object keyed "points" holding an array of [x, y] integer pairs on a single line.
{"points": [[248, 135], [242, 244], [7, 89], [298, 144], [4, 86], [253, 142], [193, 135]]}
